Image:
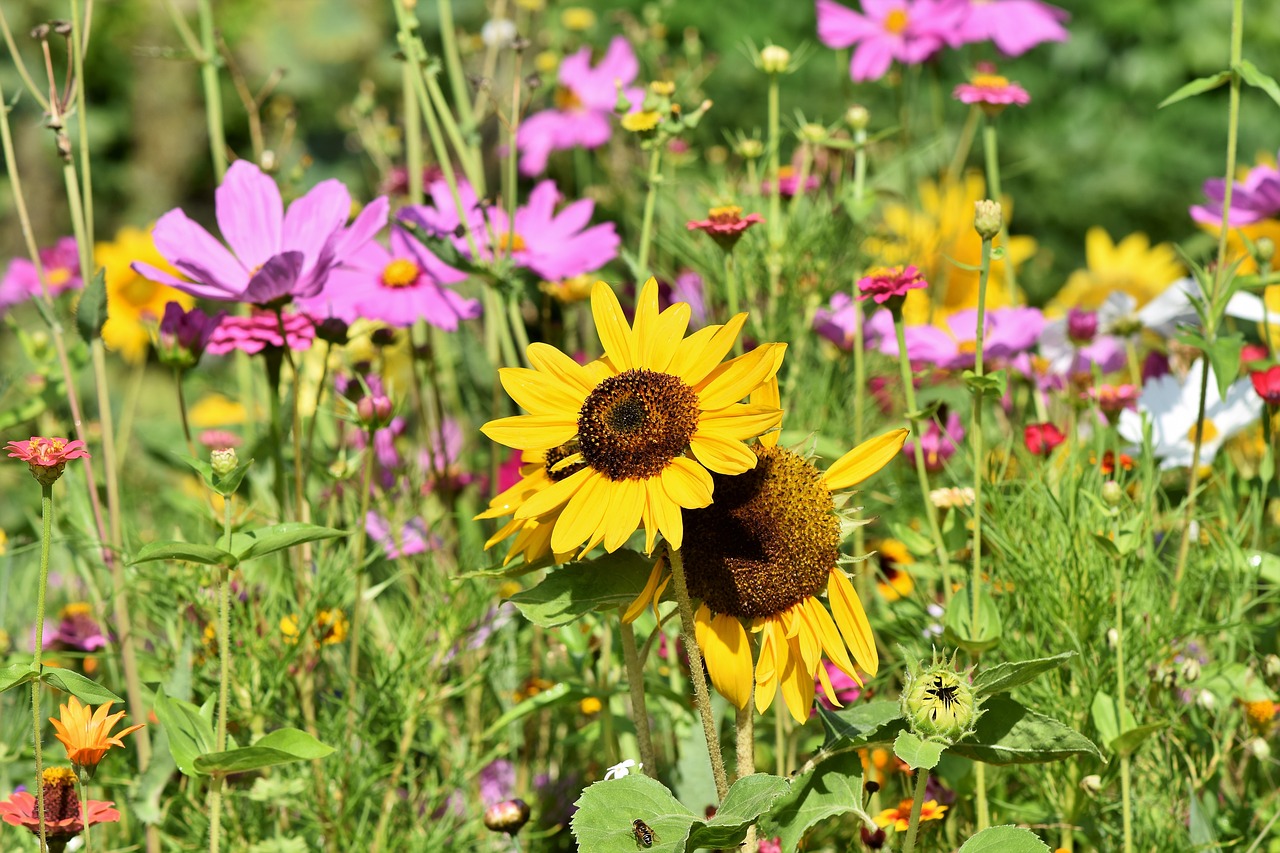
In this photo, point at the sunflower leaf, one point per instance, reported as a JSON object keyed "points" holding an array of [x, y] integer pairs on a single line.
{"points": [[571, 591], [1004, 839], [862, 724], [86, 690], [607, 810], [832, 787], [748, 798], [1005, 676], [1010, 733], [919, 754], [277, 537]]}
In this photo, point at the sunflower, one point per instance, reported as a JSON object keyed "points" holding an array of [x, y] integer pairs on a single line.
{"points": [[1131, 266], [539, 469], [134, 303], [762, 554], [895, 580], [86, 733], [648, 423]]}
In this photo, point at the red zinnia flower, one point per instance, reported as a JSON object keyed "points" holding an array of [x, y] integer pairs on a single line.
{"points": [[46, 457], [1041, 439], [1267, 384], [885, 283], [992, 92], [63, 815], [726, 225]]}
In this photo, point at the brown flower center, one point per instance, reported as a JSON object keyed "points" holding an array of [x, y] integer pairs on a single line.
{"points": [[555, 456], [59, 791], [633, 424], [770, 538]]}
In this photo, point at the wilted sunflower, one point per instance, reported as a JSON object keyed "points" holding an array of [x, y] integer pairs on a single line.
{"points": [[763, 553], [648, 423]]}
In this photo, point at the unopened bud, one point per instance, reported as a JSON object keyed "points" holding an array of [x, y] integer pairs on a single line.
{"points": [[224, 461], [1112, 493], [814, 134], [63, 28], [40, 32], [1265, 248], [857, 117], [1206, 700], [1271, 666], [987, 218], [507, 816], [1113, 637], [333, 330], [375, 411], [1091, 783], [774, 59], [751, 149], [938, 702], [1190, 670], [1258, 748]]}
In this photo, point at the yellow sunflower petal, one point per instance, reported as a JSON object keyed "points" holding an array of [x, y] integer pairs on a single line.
{"points": [[650, 526], [611, 325], [740, 421], [550, 360], [771, 661], [662, 341], [646, 317], [796, 685], [829, 637], [721, 455], [769, 396], [687, 483], [864, 460], [727, 651], [540, 393], [647, 595], [828, 689], [805, 636], [554, 496], [532, 432], [852, 619], [665, 513], [584, 514], [623, 517], [738, 377], [699, 353], [506, 530]]}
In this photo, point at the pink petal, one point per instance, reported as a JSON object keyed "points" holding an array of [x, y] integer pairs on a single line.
{"points": [[840, 27], [194, 251], [249, 213]]}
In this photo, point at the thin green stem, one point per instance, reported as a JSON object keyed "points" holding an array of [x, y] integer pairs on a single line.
{"points": [[859, 165], [639, 710], [84, 811], [731, 293], [79, 40], [46, 539], [357, 565], [224, 682], [776, 230], [453, 62], [963, 145], [212, 89], [917, 803], [650, 203], [992, 153], [412, 136], [1125, 776], [700, 692], [979, 464]]}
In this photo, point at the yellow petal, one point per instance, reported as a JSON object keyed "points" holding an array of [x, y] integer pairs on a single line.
{"points": [[665, 513], [623, 516], [687, 483], [556, 495], [829, 636], [699, 353], [740, 421], [738, 377], [796, 685], [611, 325], [583, 516], [766, 668], [805, 637], [531, 432], [661, 342], [722, 456], [650, 526], [540, 393], [727, 652], [550, 360], [642, 600], [646, 317], [852, 619], [864, 460], [769, 396], [827, 689]]}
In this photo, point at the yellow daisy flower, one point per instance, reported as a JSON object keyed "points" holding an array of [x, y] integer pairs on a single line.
{"points": [[134, 303], [933, 234], [648, 423], [1132, 266], [762, 554], [899, 819]]}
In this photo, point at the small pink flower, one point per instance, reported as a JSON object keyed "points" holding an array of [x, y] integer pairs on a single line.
{"points": [[219, 439], [789, 183], [909, 31], [1267, 384], [260, 331], [885, 283], [992, 92], [61, 265], [1113, 399], [726, 225], [47, 457]]}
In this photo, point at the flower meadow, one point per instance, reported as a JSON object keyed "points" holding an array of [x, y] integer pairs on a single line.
{"points": [[510, 446]]}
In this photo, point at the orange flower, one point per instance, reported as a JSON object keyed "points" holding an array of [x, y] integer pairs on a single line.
{"points": [[86, 733], [900, 818]]}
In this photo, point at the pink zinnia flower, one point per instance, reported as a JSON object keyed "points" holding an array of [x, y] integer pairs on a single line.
{"points": [[1256, 199], [726, 225], [1042, 438], [1267, 384], [885, 283], [938, 443], [952, 342], [584, 103], [992, 92], [64, 816], [260, 331], [909, 31], [77, 631], [61, 264], [789, 183], [1015, 26], [46, 457], [398, 286], [274, 253]]}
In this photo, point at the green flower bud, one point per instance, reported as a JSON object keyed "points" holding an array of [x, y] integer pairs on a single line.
{"points": [[1266, 249], [857, 117], [938, 702], [813, 133], [224, 461], [988, 218], [1112, 493], [774, 59], [750, 149]]}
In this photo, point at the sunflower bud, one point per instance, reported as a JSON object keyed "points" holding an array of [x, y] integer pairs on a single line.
{"points": [[938, 702], [774, 59], [223, 461], [987, 218], [507, 816]]}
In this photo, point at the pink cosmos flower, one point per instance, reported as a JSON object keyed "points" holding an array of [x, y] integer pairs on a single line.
{"points": [[584, 103], [398, 286], [61, 264], [184, 335], [885, 283], [76, 631], [992, 92], [260, 331], [553, 245], [412, 538], [951, 343], [1256, 199], [274, 253], [835, 322], [1015, 26], [909, 31]]}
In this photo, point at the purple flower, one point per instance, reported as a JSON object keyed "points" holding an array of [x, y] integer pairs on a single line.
{"points": [[411, 539], [836, 322], [909, 31], [687, 288], [61, 265], [938, 443], [497, 781], [274, 253], [1256, 199], [1015, 26], [1081, 325], [398, 286], [1069, 351], [184, 335], [260, 331], [584, 103], [77, 631], [950, 343]]}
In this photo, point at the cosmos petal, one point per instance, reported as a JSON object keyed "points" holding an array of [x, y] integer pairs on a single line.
{"points": [[699, 353], [721, 455], [611, 325], [727, 651], [852, 619], [532, 432], [626, 504], [554, 496], [738, 377], [864, 460], [687, 483]]}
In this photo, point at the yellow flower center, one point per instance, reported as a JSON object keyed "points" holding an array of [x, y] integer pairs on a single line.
{"points": [[633, 424], [78, 608], [1209, 433], [510, 241], [139, 292], [567, 100], [640, 122], [989, 81], [57, 276], [726, 215], [896, 21], [969, 347], [401, 272]]}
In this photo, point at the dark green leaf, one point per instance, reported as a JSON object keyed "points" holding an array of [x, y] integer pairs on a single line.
{"points": [[748, 798], [918, 753], [1255, 78], [277, 537], [1004, 839], [84, 689], [833, 787], [572, 591], [189, 729], [862, 724], [16, 674], [1006, 676], [1009, 733], [283, 746], [1196, 87], [91, 313], [190, 552]]}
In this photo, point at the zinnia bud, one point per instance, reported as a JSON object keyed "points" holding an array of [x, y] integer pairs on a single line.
{"points": [[987, 218], [1112, 493], [774, 59], [224, 461], [507, 816]]}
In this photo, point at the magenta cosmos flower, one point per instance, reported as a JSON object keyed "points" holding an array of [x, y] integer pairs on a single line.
{"points": [[274, 253], [399, 286], [938, 443], [909, 31], [836, 321], [1015, 26], [1256, 199], [886, 283], [61, 264], [584, 103], [951, 343], [553, 245], [992, 92]]}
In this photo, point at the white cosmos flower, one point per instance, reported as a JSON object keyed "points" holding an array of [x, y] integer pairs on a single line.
{"points": [[1172, 405]]}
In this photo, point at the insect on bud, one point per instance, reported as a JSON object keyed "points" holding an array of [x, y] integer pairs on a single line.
{"points": [[507, 816]]}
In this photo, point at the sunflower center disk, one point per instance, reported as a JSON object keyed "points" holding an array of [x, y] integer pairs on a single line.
{"points": [[768, 541], [633, 424]]}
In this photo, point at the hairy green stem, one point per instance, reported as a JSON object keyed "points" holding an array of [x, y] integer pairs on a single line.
{"points": [[979, 464], [46, 539], [639, 710], [991, 152], [917, 803], [1125, 775], [776, 230], [412, 136]]}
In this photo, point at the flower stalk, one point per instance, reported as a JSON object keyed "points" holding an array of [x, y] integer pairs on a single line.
{"points": [[46, 539], [639, 710], [650, 203]]}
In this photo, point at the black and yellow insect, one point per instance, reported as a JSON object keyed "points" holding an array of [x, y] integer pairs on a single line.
{"points": [[643, 833], [941, 692]]}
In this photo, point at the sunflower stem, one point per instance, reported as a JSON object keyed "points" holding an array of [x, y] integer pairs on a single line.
{"points": [[917, 803], [922, 473], [650, 203], [700, 692], [745, 726], [639, 711], [46, 539]]}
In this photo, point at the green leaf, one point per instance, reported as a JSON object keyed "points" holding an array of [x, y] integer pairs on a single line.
{"points": [[603, 821], [559, 693], [1196, 87], [960, 629], [1128, 743], [1200, 822], [227, 484], [862, 724], [1255, 78], [918, 753], [1010, 733], [91, 313], [572, 591], [283, 746], [189, 729], [1107, 718], [277, 537], [190, 552], [16, 674], [988, 383], [1004, 839], [1006, 676], [1224, 355], [84, 689], [833, 787], [747, 800]]}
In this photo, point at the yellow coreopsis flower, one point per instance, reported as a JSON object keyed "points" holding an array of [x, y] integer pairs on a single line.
{"points": [[133, 302], [941, 227], [1131, 266]]}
